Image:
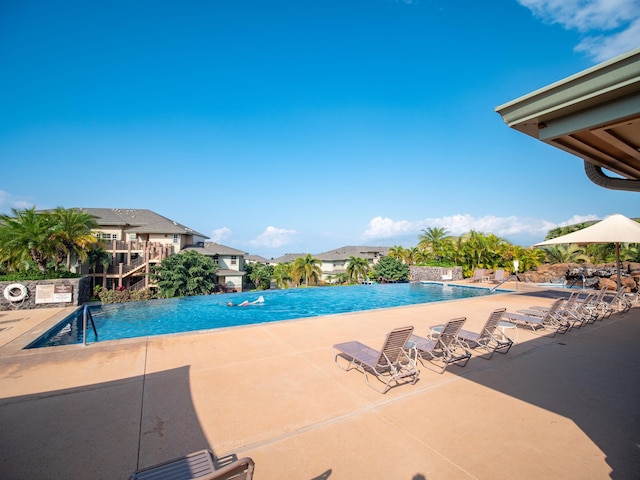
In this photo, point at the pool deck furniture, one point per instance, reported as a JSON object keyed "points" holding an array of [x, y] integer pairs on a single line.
{"points": [[390, 364], [478, 275], [199, 465], [487, 338], [444, 350], [106, 410], [548, 322]]}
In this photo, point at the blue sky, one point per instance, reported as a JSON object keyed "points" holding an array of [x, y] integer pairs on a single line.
{"points": [[278, 126]]}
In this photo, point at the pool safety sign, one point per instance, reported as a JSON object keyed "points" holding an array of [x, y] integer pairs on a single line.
{"points": [[54, 293]]}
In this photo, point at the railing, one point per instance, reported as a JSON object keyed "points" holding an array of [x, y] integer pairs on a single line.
{"points": [[137, 286], [86, 313], [494, 288], [136, 263]]}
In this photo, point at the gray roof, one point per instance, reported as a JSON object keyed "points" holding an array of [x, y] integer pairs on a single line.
{"points": [[223, 272], [137, 221], [344, 253], [288, 257], [256, 259], [212, 248]]}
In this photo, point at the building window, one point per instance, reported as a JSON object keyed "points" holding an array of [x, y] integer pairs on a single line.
{"points": [[215, 259], [234, 259], [176, 238], [132, 237]]}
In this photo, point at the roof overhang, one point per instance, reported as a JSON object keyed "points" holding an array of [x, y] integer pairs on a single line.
{"points": [[594, 114]]}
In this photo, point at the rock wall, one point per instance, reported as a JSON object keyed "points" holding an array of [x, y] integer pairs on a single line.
{"points": [[593, 276], [80, 293], [434, 274]]}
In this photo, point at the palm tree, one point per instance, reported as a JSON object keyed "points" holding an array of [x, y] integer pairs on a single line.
{"points": [[434, 239], [357, 267], [282, 274], [411, 255], [27, 235], [73, 232], [397, 252], [565, 254], [260, 276], [307, 267], [98, 256]]}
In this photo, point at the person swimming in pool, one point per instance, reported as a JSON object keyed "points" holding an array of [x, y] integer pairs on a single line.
{"points": [[247, 303]]}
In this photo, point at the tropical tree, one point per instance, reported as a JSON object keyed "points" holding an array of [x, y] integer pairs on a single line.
{"points": [[435, 240], [98, 256], [72, 231], [529, 258], [358, 267], [27, 236], [631, 252], [390, 269], [397, 252], [562, 253], [307, 267], [185, 274], [261, 276], [282, 275]]}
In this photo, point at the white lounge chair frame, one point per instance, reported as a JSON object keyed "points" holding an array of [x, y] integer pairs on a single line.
{"points": [[391, 364]]}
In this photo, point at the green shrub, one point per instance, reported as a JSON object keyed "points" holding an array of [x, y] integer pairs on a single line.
{"points": [[121, 295]]}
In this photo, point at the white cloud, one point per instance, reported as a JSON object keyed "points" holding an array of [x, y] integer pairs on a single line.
{"points": [[508, 227], [602, 48], [220, 234], [9, 201], [577, 219], [274, 237], [611, 27]]}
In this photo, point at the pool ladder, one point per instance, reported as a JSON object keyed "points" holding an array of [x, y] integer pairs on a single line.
{"points": [[86, 314], [493, 289]]}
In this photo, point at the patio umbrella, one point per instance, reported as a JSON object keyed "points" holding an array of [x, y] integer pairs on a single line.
{"points": [[615, 229]]}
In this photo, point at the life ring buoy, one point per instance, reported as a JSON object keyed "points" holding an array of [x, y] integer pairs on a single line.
{"points": [[9, 292]]}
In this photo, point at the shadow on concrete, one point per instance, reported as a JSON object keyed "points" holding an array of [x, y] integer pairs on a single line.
{"points": [[590, 376], [105, 430]]}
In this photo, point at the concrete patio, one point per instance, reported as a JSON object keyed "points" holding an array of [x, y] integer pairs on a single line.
{"points": [[564, 407]]}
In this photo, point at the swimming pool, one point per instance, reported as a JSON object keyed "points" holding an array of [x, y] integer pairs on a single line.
{"points": [[156, 317]]}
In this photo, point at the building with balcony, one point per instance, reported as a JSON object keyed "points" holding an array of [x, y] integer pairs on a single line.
{"points": [[134, 239]]}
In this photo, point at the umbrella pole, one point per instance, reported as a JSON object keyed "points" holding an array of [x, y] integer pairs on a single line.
{"points": [[618, 263]]}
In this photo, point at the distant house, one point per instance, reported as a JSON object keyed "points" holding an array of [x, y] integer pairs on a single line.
{"points": [[135, 239], [287, 258], [257, 259], [229, 260], [335, 262]]}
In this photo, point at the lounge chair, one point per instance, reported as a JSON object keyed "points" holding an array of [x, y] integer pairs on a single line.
{"points": [[498, 277], [389, 365], [488, 339], [569, 312], [445, 348], [547, 321], [199, 465], [478, 275]]}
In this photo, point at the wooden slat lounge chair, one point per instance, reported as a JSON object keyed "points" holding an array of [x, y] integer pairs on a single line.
{"points": [[488, 339], [547, 322], [391, 364], [445, 349], [199, 465]]}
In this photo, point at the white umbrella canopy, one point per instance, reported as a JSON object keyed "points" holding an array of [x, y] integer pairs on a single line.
{"points": [[615, 229]]}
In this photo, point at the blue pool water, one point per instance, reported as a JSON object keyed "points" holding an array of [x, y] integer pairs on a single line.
{"points": [[155, 317]]}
